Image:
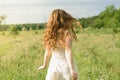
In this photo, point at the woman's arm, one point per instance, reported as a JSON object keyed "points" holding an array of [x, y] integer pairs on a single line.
{"points": [[69, 56], [46, 58]]}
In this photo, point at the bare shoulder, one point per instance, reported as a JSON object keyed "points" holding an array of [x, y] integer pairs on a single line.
{"points": [[68, 35], [68, 39]]}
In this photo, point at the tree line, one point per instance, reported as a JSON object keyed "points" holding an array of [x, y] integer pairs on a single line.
{"points": [[23, 27], [109, 18]]}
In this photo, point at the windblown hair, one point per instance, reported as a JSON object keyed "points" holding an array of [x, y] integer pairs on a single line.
{"points": [[59, 22]]}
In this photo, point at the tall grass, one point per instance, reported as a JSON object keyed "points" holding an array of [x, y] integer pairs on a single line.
{"points": [[97, 55]]}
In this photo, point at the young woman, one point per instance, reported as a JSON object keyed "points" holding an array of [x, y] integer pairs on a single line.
{"points": [[58, 42]]}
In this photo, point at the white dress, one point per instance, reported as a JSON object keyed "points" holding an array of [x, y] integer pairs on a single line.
{"points": [[58, 68]]}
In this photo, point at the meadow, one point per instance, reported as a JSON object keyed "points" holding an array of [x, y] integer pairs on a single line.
{"points": [[97, 54]]}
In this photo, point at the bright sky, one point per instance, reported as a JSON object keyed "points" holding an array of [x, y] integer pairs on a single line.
{"points": [[37, 11]]}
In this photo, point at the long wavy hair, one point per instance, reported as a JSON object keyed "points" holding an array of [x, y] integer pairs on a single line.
{"points": [[59, 22]]}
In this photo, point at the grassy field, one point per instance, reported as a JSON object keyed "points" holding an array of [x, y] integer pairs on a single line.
{"points": [[97, 55]]}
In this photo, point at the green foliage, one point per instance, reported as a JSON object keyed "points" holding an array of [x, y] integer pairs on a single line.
{"points": [[110, 9], [86, 22], [97, 24], [4, 27], [14, 30], [28, 27], [109, 18], [24, 27]]}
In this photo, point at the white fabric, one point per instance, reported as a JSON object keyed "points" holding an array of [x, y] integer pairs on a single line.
{"points": [[58, 67]]}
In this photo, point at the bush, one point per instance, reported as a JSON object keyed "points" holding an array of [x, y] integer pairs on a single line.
{"points": [[14, 30]]}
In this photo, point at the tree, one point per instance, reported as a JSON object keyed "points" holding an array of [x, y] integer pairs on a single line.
{"points": [[2, 18], [110, 9], [97, 24]]}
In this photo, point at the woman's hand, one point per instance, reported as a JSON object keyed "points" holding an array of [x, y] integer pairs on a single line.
{"points": [[74, 75], [41, 67]]}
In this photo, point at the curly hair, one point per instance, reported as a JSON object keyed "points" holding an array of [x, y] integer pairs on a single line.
{"points": [[59, 22]]}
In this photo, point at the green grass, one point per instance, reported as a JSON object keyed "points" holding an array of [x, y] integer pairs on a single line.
{"points": [[97, 55]]}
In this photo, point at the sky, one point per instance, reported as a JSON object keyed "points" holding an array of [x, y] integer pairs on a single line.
{"points": [[38, 11]]}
